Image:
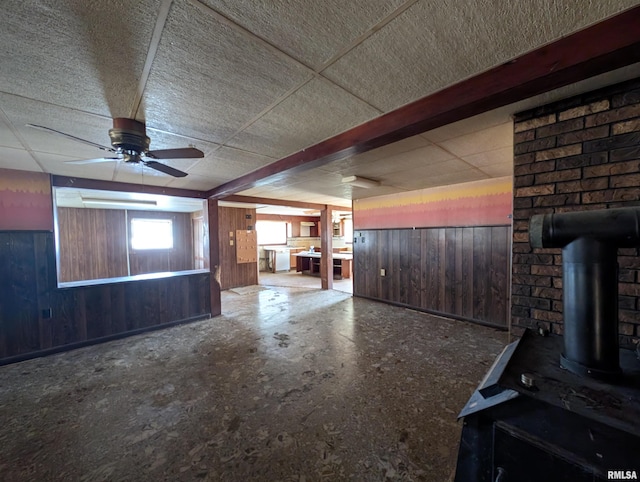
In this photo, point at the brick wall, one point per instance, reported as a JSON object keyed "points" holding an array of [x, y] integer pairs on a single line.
{"points": [[577, 154]]}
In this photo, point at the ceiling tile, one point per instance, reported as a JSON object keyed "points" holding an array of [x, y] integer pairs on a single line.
{"points": [[481, 140], [315, 112], [208, 80], [56, 164], [503, 155], [19, 159], [498, 170], [228, 163], [308, 30], [71, 55], [432, 45], [384, 152]]}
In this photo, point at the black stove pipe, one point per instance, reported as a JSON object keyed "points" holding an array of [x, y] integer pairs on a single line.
{"points": [[589, 242]]}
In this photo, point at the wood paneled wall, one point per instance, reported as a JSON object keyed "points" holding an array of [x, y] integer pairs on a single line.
{"points": [[85, 314], [93, 244], [462, 272], [233, 274]]}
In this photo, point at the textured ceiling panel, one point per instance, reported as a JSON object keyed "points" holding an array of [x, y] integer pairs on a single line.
{"points": [[504, 155], [76, 53], [415, 159], [482, 140], [432, 44], [384, 152], [20, 111], [308, 30], [208, 80], [140, 174], [229, 163], [19, 159], [315, 112], [498, 170], [57, 164]]}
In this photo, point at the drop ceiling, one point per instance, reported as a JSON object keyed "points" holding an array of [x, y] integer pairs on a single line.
{"points": [[249, 83]]}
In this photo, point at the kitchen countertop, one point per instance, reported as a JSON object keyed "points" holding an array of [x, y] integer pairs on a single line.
{"points": [[307, 254]]}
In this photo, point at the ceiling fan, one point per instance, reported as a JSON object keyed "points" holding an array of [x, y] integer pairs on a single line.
{"points": [[129, 143]]}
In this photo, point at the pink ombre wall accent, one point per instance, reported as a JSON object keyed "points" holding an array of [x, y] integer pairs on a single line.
{"points": [[25, 201], [478, 203]]}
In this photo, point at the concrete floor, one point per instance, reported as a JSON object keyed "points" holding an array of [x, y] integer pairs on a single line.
{"points": [[290, 384]]}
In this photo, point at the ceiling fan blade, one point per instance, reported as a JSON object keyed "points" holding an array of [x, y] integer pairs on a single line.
{"points": [[164, 168], [93, 161], [69, 136], [183, 153]]}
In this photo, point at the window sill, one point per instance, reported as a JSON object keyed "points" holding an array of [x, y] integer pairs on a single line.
{"points": [[127, 279]]}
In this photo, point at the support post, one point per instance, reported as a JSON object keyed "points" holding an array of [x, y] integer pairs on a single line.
{"points": [[213, 239], [326, 248]]}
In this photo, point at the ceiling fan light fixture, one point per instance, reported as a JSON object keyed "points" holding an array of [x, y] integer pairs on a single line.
{"points": [[358, 181]]}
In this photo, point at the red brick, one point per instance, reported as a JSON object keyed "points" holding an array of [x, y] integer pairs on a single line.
{"points": [[583, 135], [612, 169], [546, 315], [592, 184], [524, 136], [523, 181], [533, 146], [625, 154], [546, 270], [559, 152], [524, 159], [629, 289], [614, 115], [557, 200], [557, 176], [584, 110], [624, 127], [627, 180], [560, 128], [533, 123], [536, 190], [626, 328], [545, 292]]}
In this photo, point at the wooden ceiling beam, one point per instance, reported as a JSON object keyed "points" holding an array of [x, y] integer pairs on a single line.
{"points": [[606, 46], [280, 202], [82, 183]]}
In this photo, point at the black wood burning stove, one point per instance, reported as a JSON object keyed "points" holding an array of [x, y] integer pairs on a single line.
{"points": [[565, 408]]}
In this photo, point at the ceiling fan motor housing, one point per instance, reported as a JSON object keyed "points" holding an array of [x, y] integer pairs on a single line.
{"points": [[129, 136]]}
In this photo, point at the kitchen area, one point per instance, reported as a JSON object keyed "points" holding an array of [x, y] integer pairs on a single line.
{"points": [[295, 257]]}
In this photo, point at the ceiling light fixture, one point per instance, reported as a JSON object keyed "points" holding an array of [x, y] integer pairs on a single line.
{"points": [[360, 182], [118, 202]]}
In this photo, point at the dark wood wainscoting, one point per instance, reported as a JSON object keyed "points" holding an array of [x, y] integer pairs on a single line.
{"points": [[463, 272], [82, 315]]}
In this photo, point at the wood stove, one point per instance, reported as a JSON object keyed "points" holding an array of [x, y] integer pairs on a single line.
{"points": [[563, 408]]}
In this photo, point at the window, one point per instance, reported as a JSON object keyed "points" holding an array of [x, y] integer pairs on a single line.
{"points": [[271, 232], [151, 233]]}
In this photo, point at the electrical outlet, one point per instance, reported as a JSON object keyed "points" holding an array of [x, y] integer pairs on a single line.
{"points": [[231, 242], [383, 272]]}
